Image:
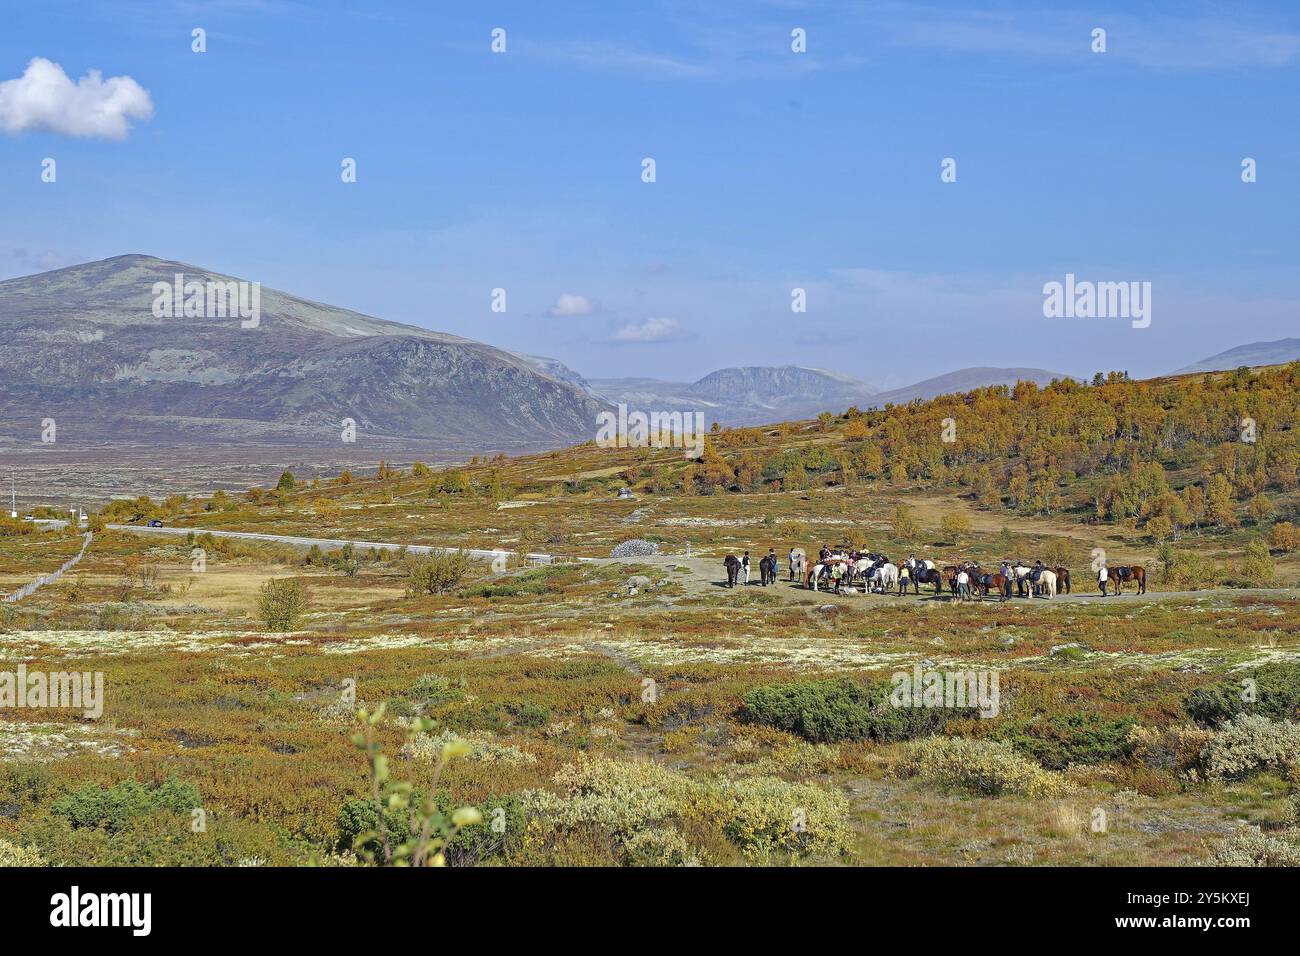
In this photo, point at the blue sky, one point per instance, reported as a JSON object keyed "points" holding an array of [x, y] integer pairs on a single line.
{"points": [[775, 170]]}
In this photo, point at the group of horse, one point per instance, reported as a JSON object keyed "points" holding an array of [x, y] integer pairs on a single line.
{"points": [[876, 573]]}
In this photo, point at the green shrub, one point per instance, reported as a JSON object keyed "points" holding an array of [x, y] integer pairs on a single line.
{"points": [[435, 573], [1063, 739], [281, 603], [1257, 568], [1275, 689], [433, 690], [111, 808], [829, 711], [530, 715]]}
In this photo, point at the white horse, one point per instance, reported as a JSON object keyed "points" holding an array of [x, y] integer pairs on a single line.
{"points": [[1020, 574], [1047, 583], [886, 576], [859, 568]]}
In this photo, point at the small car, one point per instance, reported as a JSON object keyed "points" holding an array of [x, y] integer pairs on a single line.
{"points": [[155, 523]]}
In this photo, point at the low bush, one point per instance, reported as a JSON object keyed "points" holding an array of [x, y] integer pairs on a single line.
{"points": [[829, 711], [984, 767], [1270, 690], [110, 808], [1252, 744], [1176, 748], [1071, 738], [436, 573], [1253, 847]]}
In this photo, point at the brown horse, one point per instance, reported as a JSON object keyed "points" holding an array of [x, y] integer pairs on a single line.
{"points": [[1136, 574], [732, 564], [1062, 580], [950, 578]]}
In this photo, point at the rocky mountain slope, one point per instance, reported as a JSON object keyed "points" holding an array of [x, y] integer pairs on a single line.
{"points": [[84, 346]]}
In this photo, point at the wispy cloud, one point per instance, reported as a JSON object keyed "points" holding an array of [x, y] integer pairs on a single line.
{"points": [[1189, 41], [649, 330], [570, 304]]}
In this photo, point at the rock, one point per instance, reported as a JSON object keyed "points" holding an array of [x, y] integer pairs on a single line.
{"points": [[1008, 641], [638, 582], [1073, 646], [828, 609], [634, 548], [631, 591], [939, 641]]}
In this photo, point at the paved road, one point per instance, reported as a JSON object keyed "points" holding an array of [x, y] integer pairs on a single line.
{"points": [[331, 543]]}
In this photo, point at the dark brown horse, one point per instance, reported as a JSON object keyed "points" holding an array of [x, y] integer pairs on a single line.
{"points": [[1136, 574], [732, 564], [950, 578], [1062, 580]]}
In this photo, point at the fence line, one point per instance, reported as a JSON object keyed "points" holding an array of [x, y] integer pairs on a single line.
{"points": [[28, 588]]}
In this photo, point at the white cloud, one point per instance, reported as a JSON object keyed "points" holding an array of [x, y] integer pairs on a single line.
{"points": [[570, 303], [649, 330], [45, 99]]}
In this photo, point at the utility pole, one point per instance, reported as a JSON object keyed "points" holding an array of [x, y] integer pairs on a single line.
{"points": [[13, 496]]}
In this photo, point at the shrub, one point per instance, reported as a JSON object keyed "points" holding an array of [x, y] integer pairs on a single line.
{"points": [[428, 748], [435, 573], [1285, 537], [1188, 570], [1176, 748], [1063, 739], [662, 846], [759, 815], [1253, 847], [829, 711], [111, 808], [1270, 690], [954, 526], [1257, 568], [904, 525], [11, 854], [281, 602], [530, 715], [984, 767], [1251, 744], [432, 690]]}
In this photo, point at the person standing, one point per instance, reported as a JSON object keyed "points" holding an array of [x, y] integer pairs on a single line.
{"points": [[963, 585], [792, 561], [744, 566], [1103, 578]]}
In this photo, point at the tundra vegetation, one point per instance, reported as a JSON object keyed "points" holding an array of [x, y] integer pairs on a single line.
{"points": [[279, 705]]}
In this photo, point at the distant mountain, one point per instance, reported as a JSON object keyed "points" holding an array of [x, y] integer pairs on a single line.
{"points": [[964, 380], [752, 395], [555, 369], [83, 346], [1255, 353]]}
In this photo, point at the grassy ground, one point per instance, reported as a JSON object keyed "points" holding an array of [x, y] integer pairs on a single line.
{"points": [[612, 727]]}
